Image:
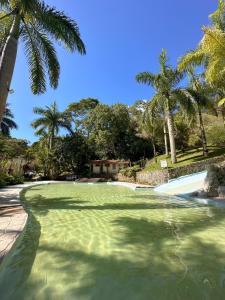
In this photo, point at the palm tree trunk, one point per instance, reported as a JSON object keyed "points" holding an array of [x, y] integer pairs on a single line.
{"points": [[154, 150], [171, 136], [165, 140], [203, 136], [7, 62]]}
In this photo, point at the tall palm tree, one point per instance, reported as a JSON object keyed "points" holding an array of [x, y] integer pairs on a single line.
{"points": [[197, 93], [7, 123], [148, 122], [165, 84], [211, 50], [50, 122], [37, 25]]}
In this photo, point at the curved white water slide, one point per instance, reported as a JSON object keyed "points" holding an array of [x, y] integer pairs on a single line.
{"points": [[183, 185]]}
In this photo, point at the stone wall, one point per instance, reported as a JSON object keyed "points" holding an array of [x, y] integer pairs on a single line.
{"points": [[152, 178], [161, 176], [195, 167], [123, 178]]}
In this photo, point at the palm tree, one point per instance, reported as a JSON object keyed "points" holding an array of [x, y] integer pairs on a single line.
{"points": [[167, 94], [37, 25], [197, 93], [211, 50], [148, 123], [50, 122], [7, 123]]}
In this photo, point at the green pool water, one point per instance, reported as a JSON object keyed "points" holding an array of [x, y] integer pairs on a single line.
{"points": [[102, 242]]}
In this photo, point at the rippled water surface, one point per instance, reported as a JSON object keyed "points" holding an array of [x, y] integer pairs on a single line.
{"points": [[101, 242]]}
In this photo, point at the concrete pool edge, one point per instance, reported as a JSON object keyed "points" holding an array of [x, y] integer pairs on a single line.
{"points": [[13, 215], [130, 185]]}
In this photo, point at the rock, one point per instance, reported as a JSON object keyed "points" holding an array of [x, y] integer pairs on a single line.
{"points": [[221, 191], [202, 194], [212, 183]]}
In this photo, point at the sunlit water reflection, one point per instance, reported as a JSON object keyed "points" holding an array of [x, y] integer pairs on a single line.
{"points": [[100, 242]]}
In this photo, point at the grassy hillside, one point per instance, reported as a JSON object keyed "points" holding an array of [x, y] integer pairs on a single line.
{"points": [[183, 159]]}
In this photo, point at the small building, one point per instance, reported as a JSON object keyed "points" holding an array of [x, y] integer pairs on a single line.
{"points": [[107, 167]]}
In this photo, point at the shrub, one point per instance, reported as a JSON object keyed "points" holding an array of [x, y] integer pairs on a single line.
{"points": [[130, 171], [194, 140], [10, 180], [216, 135]]}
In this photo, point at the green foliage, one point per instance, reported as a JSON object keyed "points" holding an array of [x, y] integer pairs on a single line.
{"points": [[12, 148], [7, 123], [112, 133], [216, 135], [182, 127], [130, 171], [211, 50], [10, 180], [39, 25], [194, 140], [50, 122], [185, 158]]}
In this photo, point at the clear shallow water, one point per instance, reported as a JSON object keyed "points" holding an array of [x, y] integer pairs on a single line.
{"points": [[100, 242]]}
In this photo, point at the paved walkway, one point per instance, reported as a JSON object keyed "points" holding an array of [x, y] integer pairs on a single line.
{"points": [[12, 215]]}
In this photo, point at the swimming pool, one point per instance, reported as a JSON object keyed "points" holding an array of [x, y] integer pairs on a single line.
{"points": [[102, 242]]}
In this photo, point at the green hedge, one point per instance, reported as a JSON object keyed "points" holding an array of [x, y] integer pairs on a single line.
{"points": [[10, 180]]}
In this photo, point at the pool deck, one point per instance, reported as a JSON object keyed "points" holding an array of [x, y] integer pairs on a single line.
{"points": [[13, 217], [130, 185]]}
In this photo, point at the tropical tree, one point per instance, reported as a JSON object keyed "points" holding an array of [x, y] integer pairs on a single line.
{"points": [[79, 111], [37, 25], [7, 123], [211, 50], [50, 122], [198, 94], [149, 123], [167, 92]]}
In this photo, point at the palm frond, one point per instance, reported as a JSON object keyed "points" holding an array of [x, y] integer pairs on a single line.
{"points": [[39, 122], [192, 58], [146, 78], [35, 62], [41, 132], [60, 27], [39, 110], [218, 17], [48, 53]]}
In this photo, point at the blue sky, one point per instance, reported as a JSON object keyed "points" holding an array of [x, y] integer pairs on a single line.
{"points": [[122, 37]]}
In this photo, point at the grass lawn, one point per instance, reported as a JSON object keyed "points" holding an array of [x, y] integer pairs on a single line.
{"points": [[186, 158]]}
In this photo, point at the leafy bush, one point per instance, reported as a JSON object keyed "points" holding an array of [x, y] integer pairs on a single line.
{"points": [[130, 171], [10, 180], [216, 135], [194, 140]]}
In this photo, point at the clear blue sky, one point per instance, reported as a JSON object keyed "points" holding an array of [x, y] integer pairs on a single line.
{"points": [[122, 39]]}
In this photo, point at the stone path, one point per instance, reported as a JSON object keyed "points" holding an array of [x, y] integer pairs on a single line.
{"points": [[13, 217]]}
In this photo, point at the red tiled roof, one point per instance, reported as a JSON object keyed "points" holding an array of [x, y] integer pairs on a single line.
{"points": [[109, 161]]}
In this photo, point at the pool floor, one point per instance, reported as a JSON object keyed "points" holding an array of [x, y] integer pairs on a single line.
{"points": [[102, 242]]}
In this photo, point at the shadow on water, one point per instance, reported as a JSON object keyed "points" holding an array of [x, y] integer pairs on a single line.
{"points": [[155, 268], [150, 259], [16, 267], [42, 205]]}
